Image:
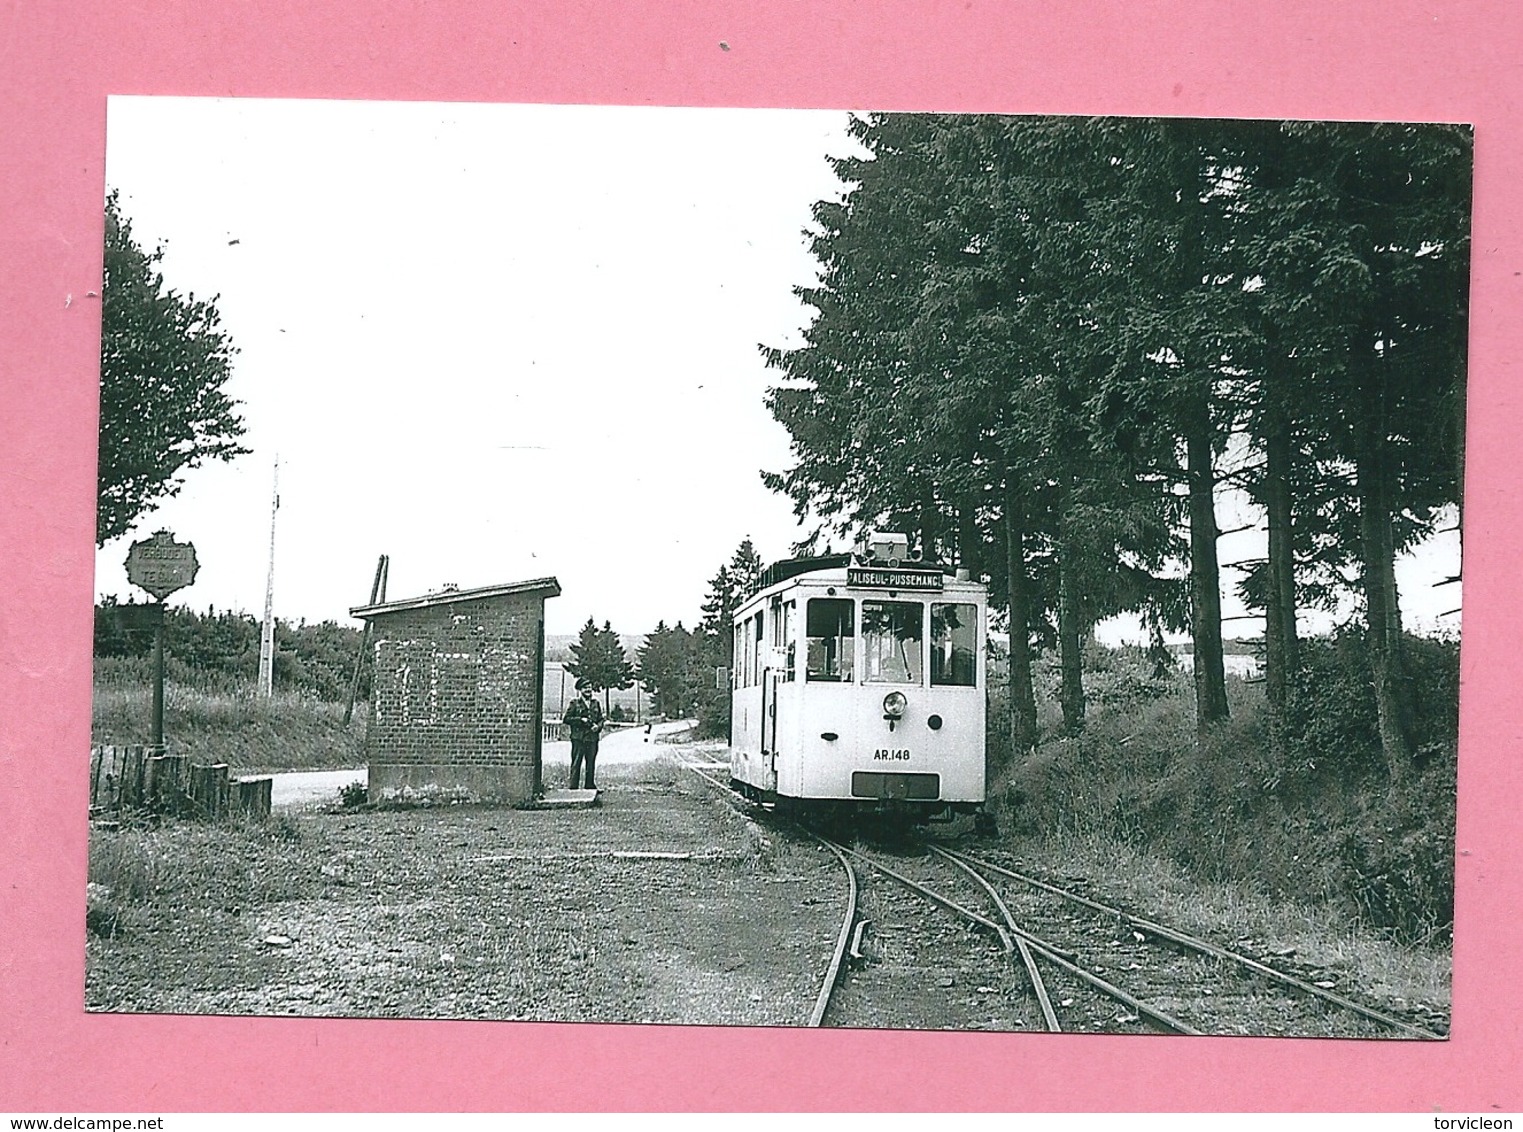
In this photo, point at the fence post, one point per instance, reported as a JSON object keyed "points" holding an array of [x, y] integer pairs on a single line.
{"points": [[254, 797], [153, 768], [175, 767], [132, 777], [202, 785], [220, 789]]}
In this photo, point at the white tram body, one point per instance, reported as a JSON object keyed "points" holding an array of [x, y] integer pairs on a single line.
{"points": [[861, 686]]}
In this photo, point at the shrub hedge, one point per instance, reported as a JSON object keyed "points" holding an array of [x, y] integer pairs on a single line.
{"points": [[1326, 825]]}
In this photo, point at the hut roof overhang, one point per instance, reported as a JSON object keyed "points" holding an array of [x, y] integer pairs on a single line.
{"points": [[545, 587]]}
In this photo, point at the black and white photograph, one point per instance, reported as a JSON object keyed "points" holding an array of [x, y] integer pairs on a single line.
{"points": [[778, 568]]}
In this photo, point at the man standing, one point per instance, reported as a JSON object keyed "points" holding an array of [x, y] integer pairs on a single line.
{"points": [[585, 719]]}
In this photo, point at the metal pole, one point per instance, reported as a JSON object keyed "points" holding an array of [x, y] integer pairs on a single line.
{"points": [[156, 731], [539, 710], [267, 630]]}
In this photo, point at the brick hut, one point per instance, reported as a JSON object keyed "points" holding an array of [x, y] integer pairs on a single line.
{"points": [[457, 695]]}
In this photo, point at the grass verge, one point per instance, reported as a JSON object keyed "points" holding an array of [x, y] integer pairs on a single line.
{"points": [[286, 732]]}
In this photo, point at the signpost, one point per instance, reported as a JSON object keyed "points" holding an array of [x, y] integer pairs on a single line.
{"points": [[161, 566]]}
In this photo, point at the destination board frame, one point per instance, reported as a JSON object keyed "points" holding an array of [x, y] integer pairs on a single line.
{"points": [[901, 578]]}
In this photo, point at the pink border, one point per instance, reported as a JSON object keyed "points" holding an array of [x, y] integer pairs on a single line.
{"points": [[1291, 58]]}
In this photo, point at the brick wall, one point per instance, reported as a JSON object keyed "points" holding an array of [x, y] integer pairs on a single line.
{"points": [[454, 704]]}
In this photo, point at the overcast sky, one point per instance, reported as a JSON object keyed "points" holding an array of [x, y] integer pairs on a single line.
{"points": [[497, 343], [493, 342]]}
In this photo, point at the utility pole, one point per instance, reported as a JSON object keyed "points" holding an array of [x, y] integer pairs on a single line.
{"points": [[267, 630]]}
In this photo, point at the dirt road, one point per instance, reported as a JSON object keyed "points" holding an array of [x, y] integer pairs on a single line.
{"points": [[626, 747]]}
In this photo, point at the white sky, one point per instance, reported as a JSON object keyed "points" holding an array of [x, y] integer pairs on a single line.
{"points": [[496, 342], [493, 342]]}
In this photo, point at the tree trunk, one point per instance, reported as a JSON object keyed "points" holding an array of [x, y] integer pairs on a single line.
{"points": [[1382, 606], [1205, 575], [1071, 634], [1022, 695], [930, 528], [970, 549], [1281, 644], [1071, 630]]}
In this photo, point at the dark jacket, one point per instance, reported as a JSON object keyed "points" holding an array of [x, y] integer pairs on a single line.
{"points": [[584, 717]]}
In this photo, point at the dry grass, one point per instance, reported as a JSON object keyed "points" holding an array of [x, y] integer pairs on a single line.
{"points": [[1233, 916], [285, 732], [137, 874]]}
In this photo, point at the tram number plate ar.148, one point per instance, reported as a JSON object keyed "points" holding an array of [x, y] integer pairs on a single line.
{"points": [[896, 753]]}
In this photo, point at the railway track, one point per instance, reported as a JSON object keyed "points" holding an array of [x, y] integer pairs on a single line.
{"points": [[906, 967], [1251, 978], [1015, 940], [1176, 982]]}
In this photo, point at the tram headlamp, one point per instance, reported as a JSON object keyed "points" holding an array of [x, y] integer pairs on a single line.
{"points": [[893, 705]]}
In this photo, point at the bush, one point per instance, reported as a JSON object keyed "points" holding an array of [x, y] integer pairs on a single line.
{"points": [[220, 651], [1323, 826], [714, 715]]}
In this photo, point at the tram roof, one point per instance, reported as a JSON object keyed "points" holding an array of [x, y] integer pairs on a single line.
{"points": [[793, 567]]}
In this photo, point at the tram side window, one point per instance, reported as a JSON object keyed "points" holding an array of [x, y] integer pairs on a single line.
{"points": [[756, 649], [830, 624], [740, 656], [954, 644], [892, 642], [788, 643]]}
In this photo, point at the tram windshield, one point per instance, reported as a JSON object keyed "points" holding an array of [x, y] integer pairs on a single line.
{"points": [[954, 644], [892, 639], [831, 628]]}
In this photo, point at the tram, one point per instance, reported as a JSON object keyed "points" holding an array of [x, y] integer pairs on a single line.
{"points": [[858, 685]]}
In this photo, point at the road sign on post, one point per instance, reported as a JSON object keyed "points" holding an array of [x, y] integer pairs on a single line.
{"points": [[161, 566]]}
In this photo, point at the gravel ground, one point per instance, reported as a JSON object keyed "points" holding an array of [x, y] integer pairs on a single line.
{"points": [[659, 905]]}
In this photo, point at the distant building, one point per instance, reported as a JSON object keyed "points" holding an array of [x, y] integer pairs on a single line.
{"points": [[457, 701]]}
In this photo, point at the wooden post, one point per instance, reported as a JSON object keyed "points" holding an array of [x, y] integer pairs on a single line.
{"points": [[377, 594], [173, 783], [203, 791], [253, 797], [156, 728], [219, 790], [153, 767], [105, 796], [132, 776]]}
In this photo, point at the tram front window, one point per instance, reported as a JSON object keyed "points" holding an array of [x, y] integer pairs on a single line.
{"points": [[892, 642], [954, 644], [831, 628]]}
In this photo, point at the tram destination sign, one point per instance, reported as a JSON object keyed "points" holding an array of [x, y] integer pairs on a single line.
{"points": [[160, 565], [893, 579]]}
